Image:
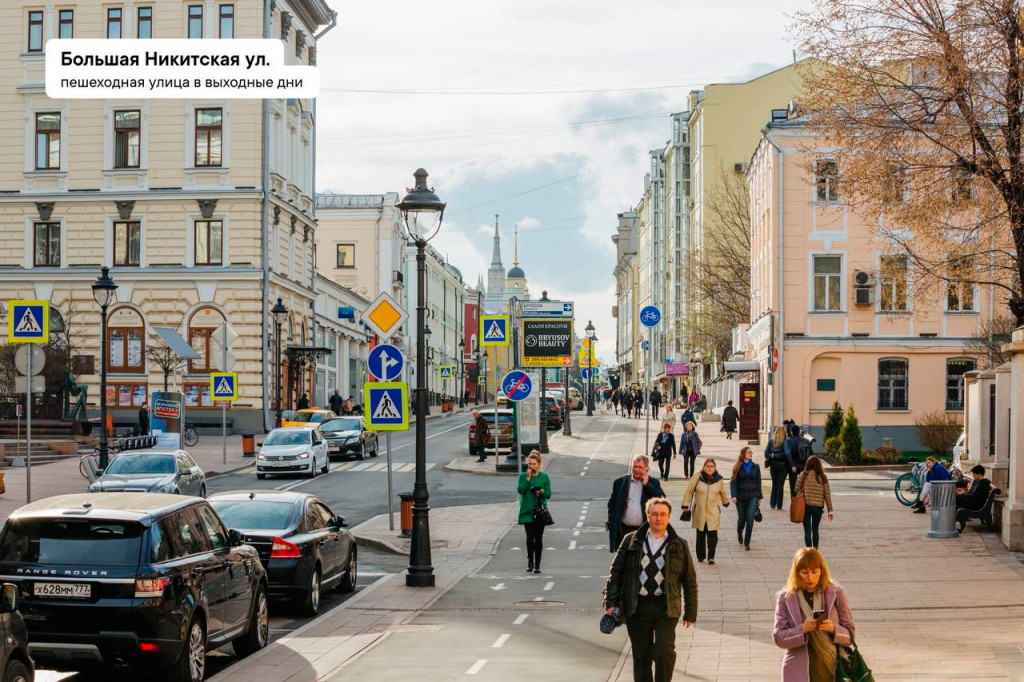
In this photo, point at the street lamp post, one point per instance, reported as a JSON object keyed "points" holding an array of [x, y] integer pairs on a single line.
{"points": [[462, 378], [279, 312], [590, 367], [421, 204], [476, 384], [429, 353], [104, 290]]}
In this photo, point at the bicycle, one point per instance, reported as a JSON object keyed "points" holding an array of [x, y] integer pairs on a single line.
{"points": [[910, 485], [190, 436], [84, 468]]}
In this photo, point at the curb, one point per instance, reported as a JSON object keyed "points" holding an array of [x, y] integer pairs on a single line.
{"points": [[230, 469], [454, 466], [378, 544]]}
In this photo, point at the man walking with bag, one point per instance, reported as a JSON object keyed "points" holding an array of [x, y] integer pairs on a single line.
{"points": [[653, 583]]}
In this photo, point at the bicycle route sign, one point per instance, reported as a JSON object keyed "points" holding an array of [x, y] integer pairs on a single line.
{"points": [[650, 316], [385, 362], [386, 406], [516, 385]]}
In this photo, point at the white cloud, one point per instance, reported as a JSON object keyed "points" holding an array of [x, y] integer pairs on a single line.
{"points": [[526, 223]]}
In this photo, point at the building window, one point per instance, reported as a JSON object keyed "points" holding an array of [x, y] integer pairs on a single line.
{"points": [[46, 247], [892, 384], [35, 31], [209, 242], [127, 135], [114, 22], [894, 283], [227, 21], [66, 23], [144, 28], [828, 284], [827, 174], [127, 242], [126, 350], [201, 326], [48, 141], [894, 189], [955, 370], [346, 255], [195, 21], [960, 297], [209, 132], [198, 396], [126, 394]]}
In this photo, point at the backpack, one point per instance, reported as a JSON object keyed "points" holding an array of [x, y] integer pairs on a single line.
{"points": [[803, 452]]}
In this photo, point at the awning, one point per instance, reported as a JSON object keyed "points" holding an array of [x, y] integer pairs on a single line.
{"points": [[177, 344], [737, 367]]}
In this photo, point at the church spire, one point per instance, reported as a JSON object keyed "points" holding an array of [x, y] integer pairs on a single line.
{"points": [[515, 258], [496, 256]]}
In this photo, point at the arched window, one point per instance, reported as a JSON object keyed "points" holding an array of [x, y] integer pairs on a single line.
{"points": [[893, 384], [955, 370], [201, 326], [126, 341]]}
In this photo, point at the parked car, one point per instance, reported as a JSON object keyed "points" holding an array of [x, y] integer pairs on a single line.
{"points": [[348, 437], [303, 545], [575, 398], [552, 412], [152, 471], [141, 580], [506, 425], [291, 450], [310, 418], [15, 663]]}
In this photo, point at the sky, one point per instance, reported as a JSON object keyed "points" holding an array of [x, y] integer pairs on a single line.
{"points": [[541, 112]]}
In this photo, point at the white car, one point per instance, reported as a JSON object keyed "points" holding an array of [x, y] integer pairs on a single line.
{"points": [[292, 450]]}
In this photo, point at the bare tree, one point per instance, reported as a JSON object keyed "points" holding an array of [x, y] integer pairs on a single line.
{"points": [[722, 284], [164, 357], [987, 344], [923, 101]]}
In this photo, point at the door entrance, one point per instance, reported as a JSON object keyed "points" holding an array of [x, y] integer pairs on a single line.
{"points": [[750, 411]]}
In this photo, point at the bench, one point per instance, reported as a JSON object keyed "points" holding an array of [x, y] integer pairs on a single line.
{"points": [[984, 514]]}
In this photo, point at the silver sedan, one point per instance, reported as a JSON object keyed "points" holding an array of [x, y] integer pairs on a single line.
{"points": [[292, 449], [152, 471]]}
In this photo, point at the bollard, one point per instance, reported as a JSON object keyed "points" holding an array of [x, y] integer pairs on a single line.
{"points": [[248, 445], [943, 512], [406, 514]]}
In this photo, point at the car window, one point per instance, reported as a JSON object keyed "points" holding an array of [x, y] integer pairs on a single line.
{"points": [[215, 532], [161, 541], [296, 437], [188, 538], [316, 438], [343, 424], [182, 462], [326, 515], [141, 463], [88, 542], [313, 519], [253, 514], [187, 458]]}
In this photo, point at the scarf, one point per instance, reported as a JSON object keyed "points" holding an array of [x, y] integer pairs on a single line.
{"points": [[748, 466]]}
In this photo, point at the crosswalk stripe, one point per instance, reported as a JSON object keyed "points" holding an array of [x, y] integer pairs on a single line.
{"points": [[407, 467], [346, 466], [378, 467], [360, 467]]}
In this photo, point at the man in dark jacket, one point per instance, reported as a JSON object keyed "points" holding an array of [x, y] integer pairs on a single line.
{"points": [[975, 498], [797, 448], [303, 403], [627, 504], [730, 417], [479, 435], [336, 402], [144, 420], [653, 583], [655, 403]]}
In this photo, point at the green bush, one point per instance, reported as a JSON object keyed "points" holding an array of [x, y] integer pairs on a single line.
{"points": [[886, 455], [869, 457], [850, 436], [834, 421], [832, 446]]}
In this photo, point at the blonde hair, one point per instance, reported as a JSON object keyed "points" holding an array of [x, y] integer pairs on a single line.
{"points": [[535, 454], [712, 460], [807, 557], [689, 427], [740, 461], [780, 436], [657, 500]]}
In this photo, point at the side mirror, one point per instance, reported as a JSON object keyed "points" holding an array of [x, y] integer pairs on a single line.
{"points": [[187, 471], [9, 598], [342, 523], [235, 538], [259, 445], [99, 472]]}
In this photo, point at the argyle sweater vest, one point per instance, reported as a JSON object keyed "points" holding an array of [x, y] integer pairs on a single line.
{"points": [[652, 571]]}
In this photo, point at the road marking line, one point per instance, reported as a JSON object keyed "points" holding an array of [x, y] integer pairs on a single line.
{"points": [[407, 467], [378, 467], [346, 466], [500, 642], [520, 619], [579, 524], [582, 474], [547, 588], [572, 545], [360, 467], [538, 599], [575, 533], [476, 667]]}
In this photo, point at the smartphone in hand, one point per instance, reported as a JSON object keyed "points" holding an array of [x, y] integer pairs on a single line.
{"points": [[819, 616]]}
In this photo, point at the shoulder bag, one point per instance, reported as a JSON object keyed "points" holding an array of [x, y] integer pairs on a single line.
{"points": [[541, 514], [797, 506], [686, 515], [850, 665]]}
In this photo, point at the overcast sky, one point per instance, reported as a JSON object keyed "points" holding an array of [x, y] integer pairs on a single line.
{"points": [[540, 111]]}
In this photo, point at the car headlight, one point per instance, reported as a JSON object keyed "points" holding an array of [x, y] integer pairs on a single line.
{"points": [[261, 456], [304, 455]]}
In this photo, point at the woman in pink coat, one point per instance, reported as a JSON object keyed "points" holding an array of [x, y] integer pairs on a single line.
{"points": [[812, 616]]}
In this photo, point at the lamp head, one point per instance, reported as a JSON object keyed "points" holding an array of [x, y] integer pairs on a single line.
{"points": [[279, 311], [104, 289], [589, 329], [421, 209]]}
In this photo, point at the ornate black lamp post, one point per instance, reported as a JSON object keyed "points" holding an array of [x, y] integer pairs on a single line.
{"points": [[104, 290], [422, 212], [590, 362], [476, 383], [280, 312], [462, 368]]}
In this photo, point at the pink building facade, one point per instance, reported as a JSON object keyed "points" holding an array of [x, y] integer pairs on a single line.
{"points": [[841, 307]]}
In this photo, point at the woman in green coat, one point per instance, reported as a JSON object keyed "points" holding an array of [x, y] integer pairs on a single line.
{"points": [[534, 484]]}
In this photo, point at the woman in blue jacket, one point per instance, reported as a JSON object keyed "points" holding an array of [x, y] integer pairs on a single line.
{"points": [[534, 485], [689, 446], [745, 487]]}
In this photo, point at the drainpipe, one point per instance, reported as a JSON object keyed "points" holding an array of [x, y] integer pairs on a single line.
{"points": [[781, 339], [265, 232]]}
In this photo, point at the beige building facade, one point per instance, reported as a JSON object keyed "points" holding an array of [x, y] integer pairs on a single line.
{"points": [[172, 195], [842, 308]]}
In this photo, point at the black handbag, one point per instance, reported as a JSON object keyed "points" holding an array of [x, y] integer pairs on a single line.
{"points": [[541, 515], [686, 515], [757, 515], [850, 665]]}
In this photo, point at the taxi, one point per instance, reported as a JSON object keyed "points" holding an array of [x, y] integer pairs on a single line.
{"points": [[310, 418]]}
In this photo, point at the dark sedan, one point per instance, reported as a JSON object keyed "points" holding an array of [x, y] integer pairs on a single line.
{"points": [[348, 437], [552, 412], [304, 546]]}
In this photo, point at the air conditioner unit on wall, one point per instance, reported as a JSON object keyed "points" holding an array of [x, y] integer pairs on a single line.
{"points": [[739, 168], [864, 295], [863, 278]]}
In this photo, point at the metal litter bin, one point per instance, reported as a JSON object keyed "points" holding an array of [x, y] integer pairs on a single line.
{"points": [[406, 514], [943, 513], [248, 445]]}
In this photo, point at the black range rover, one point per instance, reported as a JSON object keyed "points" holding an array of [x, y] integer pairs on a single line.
{"points": [[141, 580]]}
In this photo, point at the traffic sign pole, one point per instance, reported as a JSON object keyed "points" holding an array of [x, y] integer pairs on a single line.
{"points": [[28, 432], [391, 493], [224, 404]]}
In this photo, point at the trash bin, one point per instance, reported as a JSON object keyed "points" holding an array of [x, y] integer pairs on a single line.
{"points": [[406, 515], [943, 510], [248, 445]]}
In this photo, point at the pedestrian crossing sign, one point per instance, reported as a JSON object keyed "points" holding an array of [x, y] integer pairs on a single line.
{"points": [[224, 385], [387, 406], [28, 321], [445, 371], [494, 330]]}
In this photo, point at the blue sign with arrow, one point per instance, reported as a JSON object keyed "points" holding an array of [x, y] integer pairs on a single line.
{"points": [[516, 385], [385, 362], [650, 316]]}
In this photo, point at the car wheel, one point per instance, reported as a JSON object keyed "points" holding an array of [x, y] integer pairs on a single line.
{"points": [[348, 583], [258, 634], [375, 448], [361, 455], [311, 602], [261, 476], [16, 671], [312, 469], [202, 490], [327, 465], [191, 664]]}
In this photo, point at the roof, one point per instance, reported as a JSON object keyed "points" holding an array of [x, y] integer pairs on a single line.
{"points": [[262, 495], [516, 273], [133, 506]]}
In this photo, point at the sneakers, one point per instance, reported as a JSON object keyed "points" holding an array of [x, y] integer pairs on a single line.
{"points": [[529, 569], [739, 538], [746, 547], [711, 562], [920, 510], [536, 569]]}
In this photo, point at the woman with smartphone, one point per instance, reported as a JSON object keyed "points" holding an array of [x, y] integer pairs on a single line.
{"points": [[533, 485], [812, 616]]}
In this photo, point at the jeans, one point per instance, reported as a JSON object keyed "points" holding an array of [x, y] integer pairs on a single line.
{"points": [[534, 542], [708, 538], [480, 452], [812, 517], [792, 482], [745, 509], [689, 462], [653, 637], [778, 484], [663, 465]]}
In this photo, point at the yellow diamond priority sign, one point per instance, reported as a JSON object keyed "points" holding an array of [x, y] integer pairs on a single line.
{"points": [[384, 316]]}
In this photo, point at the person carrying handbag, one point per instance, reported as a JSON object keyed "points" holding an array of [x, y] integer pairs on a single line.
{"points": [[534, 487], [705, 492], [664, 450], [813, 485], [780, 464], [745, 486]]}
